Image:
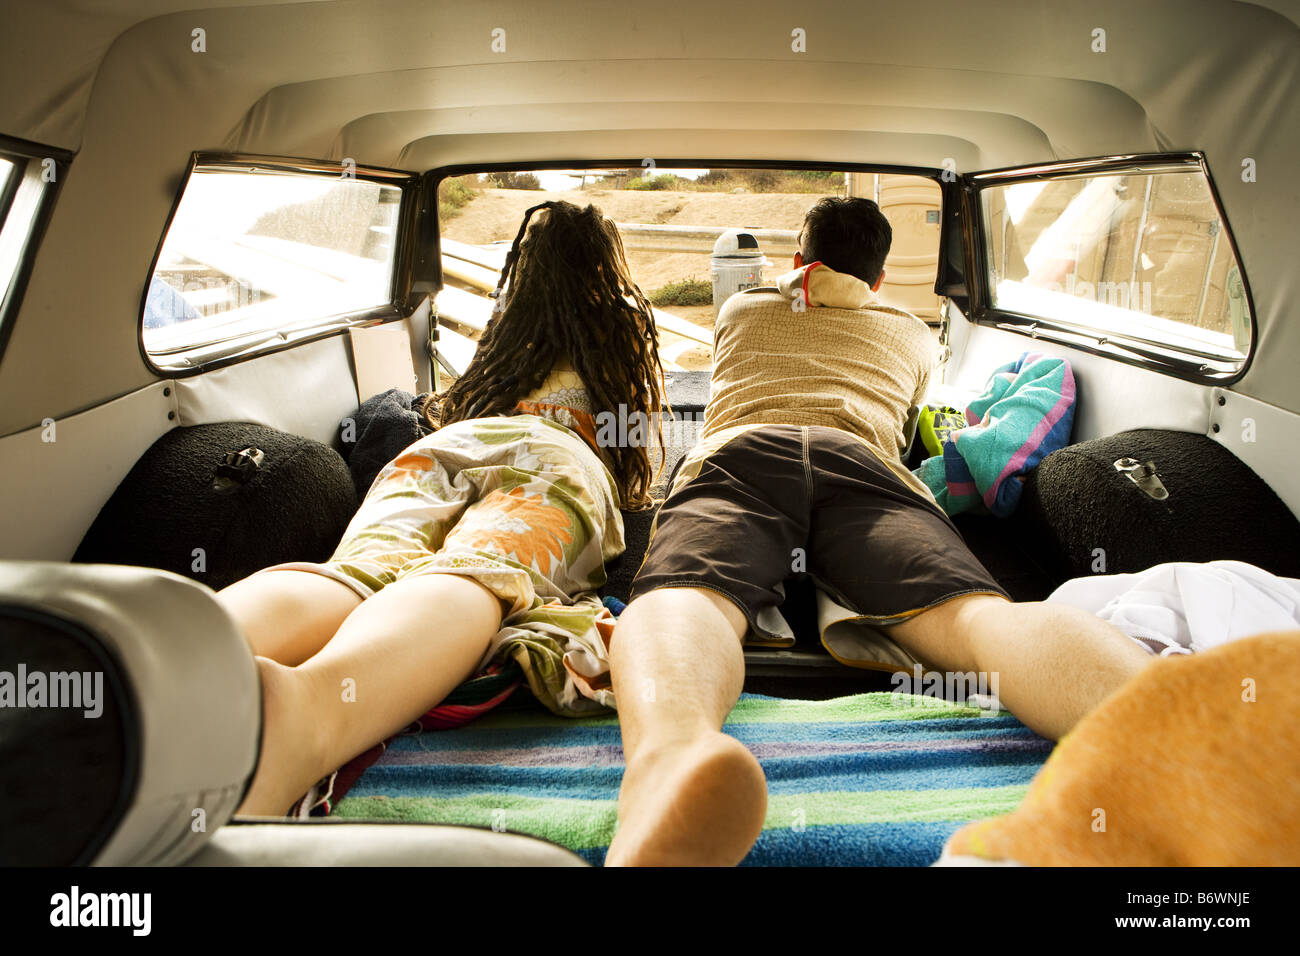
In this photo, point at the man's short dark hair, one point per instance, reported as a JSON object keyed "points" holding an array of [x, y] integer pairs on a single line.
{"points": [[848, 235]]}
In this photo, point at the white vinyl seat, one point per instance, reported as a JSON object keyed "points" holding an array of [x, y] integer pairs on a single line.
{"points": [[136, 728], [325, 842]]}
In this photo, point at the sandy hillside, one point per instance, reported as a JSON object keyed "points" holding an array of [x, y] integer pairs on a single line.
{"points": [[496, 214]]}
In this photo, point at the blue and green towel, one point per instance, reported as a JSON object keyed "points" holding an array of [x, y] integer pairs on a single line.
{"points": [[1025, 413], [868, 780]]}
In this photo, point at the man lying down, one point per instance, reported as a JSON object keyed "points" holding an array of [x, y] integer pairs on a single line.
{"points": [[812, 386]]}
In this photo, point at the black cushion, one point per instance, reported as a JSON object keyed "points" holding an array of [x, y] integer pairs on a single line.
{"points": [[293, 506], [680, 436], [1078, 511], [382, 428]]}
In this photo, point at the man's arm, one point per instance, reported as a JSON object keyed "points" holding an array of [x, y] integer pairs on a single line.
{"points": [[909, 426]]}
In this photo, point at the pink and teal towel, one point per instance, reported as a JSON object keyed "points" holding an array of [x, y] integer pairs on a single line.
{"points": [[1025, 414], [868, 780]]}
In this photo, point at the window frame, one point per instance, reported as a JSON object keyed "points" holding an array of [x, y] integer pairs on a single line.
{"points": [[23, 154], [243, 346], [950, 278], [1129, 349]]}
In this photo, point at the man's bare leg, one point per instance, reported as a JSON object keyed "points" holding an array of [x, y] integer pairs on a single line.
{"points": [[691, 795], [1054, 662]]}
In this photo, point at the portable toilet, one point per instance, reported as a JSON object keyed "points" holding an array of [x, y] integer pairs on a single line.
{"points": [[736, 264]]}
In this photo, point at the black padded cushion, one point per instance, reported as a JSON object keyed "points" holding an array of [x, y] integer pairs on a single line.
{"points": [[1217, 509], [381, 429], [293, 507]]}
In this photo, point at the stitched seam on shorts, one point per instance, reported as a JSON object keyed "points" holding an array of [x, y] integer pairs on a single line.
{"points": [[888, 619], [889, 470], [654, 522], [807, 465]]}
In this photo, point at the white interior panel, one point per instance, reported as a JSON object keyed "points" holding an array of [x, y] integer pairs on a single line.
{"points": [[52, 490], [306, 390], [1113, 396], [417, 327], [1263, 436]]}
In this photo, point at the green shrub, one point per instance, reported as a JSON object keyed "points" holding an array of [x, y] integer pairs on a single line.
{"points": [[810, 181], [454, 195], [509, 180], [769, 181], [685, 292], [720, 179], [661, 181]]}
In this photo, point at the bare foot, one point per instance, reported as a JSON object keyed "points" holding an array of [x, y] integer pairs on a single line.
{"points": [[696, 804], [291, 752]]}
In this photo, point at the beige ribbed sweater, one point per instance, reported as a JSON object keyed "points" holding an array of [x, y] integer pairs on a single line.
{"points": [[819, 349]]}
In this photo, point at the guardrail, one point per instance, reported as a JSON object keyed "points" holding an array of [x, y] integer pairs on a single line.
{"points": [[474, 266], [653, 237], [649, 237]]}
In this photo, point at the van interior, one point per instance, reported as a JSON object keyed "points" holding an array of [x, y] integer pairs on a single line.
{"points": [[226, 227]]}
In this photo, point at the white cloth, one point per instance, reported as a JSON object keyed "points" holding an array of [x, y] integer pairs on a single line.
{"points": [[1182, 607]]}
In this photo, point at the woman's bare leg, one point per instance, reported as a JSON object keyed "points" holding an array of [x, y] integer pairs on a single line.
{"points": [[288, 615], [398, 654]]}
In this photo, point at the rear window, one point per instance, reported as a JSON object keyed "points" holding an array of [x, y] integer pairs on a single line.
{"points": [[254, 252], [1141, 260], [669, 220]]}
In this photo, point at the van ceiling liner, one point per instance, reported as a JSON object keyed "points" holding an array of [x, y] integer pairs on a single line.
{"points": [[416, 84]]}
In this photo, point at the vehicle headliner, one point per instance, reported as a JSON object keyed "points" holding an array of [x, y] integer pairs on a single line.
{"points": [[414, 84]]}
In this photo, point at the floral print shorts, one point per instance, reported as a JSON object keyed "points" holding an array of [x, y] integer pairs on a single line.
{"points": [[525, 507]]}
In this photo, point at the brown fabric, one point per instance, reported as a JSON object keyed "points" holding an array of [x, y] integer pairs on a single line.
{"points": [[780, 499]]}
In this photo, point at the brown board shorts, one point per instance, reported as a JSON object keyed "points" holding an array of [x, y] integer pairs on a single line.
{"points": [[782, 499]]}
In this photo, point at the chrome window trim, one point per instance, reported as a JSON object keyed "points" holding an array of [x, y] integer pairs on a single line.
{"points": [[1139, 351], [310, 329]]}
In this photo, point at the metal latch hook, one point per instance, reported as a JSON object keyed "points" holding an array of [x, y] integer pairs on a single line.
{"points": [[1143, 474]]}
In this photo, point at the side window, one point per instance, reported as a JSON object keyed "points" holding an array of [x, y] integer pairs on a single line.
{"points": [[253, 255], [25, 181], [1139, 259]]}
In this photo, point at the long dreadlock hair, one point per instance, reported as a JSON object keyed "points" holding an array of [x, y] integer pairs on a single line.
{"points": [[566, 293]]}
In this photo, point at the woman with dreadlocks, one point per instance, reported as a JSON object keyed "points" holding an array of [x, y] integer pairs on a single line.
{"points": [[480, 546]]}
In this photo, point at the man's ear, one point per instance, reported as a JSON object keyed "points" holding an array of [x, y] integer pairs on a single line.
{"points": [[798, 260], [879, 282]]}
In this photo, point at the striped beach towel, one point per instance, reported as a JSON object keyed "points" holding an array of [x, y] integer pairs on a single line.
{"points": [[873, 779], [1025, 413]]}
